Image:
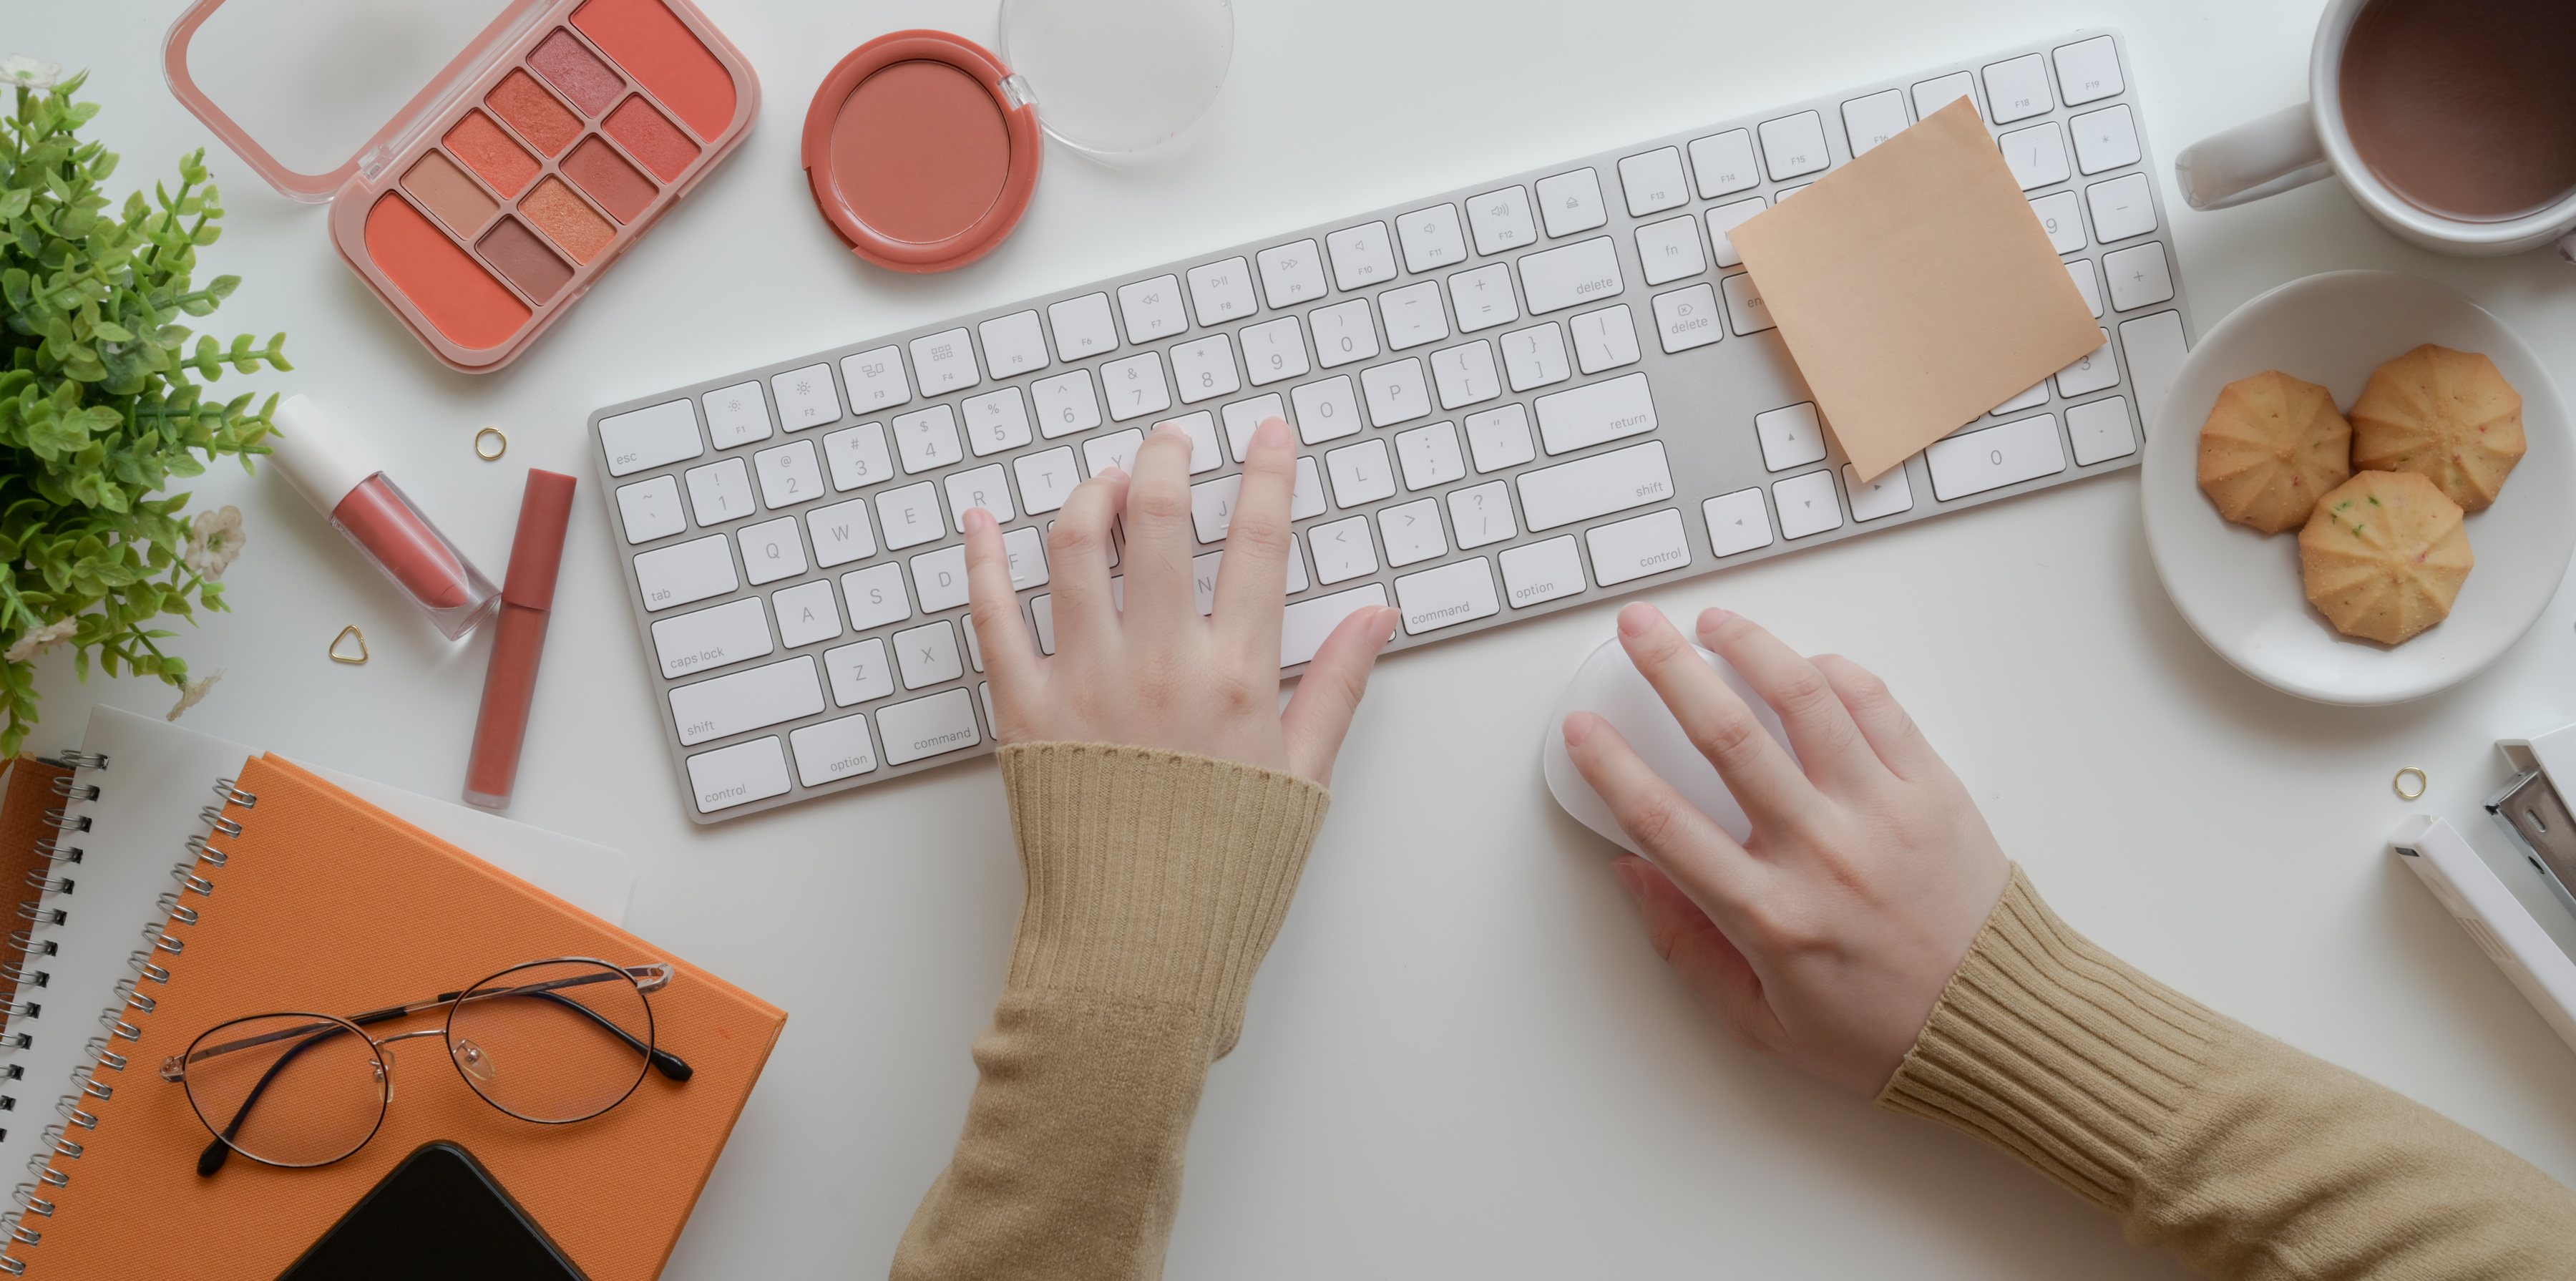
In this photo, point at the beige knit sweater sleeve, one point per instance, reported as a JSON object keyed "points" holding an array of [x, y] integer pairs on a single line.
{"points": [[2241, 1155], [1156, 881]]}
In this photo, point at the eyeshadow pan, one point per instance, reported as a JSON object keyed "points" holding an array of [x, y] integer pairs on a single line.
{"points": [[654, 46], [579, 73], [650, 138], [444, 188], [524, 259], [457, 296], [534, 112], [596, 168], [566, 220], [503, 163]]}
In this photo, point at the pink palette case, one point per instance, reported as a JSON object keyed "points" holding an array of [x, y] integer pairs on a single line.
{"points": [[500, 190]]}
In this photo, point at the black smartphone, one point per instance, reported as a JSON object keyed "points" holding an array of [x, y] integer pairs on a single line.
{"points": [[438, 1216]]}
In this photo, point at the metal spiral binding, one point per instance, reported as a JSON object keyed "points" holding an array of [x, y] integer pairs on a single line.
{"points": [[77, 760], [56, 819], [54, 848], [186, 875], [69, 790], [207, 854], [231, 795], [140, 961], [17, 972], [214, 814], [37, 880]]}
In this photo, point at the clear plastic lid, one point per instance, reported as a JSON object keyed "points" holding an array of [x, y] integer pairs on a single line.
{"points": [[308, 92], [1114, 77]]}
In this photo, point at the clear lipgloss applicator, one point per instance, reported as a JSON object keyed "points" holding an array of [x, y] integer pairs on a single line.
{"points": [[367, 507]]}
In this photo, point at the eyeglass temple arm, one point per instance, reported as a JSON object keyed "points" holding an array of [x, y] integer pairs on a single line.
{"points": [[212, 1159], [668, 1064]]}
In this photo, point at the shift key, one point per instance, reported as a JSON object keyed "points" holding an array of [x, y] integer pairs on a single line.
{"points": [[1596, 486], [746, 701]]}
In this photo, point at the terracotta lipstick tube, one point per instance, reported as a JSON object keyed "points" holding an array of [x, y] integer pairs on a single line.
{"points": [[527, 603], [364, 505]]}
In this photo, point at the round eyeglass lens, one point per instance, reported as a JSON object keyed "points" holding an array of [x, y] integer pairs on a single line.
{"points": [[552, 1041], [288, 1089]]}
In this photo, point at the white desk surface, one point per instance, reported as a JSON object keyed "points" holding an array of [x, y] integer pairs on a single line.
{"points": [[1462, 1060]]}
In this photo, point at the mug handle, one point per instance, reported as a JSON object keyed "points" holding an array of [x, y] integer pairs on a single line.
{"points": [[2261, 157]]}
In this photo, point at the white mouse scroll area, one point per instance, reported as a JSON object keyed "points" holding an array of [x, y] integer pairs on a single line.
{"points": [[1609, 686]]}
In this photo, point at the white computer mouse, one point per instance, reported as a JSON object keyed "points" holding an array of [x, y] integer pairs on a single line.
{"points": [[1609, 686]]}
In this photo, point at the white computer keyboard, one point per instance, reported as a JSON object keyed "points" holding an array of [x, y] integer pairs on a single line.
{"points": [[1521, 395]]}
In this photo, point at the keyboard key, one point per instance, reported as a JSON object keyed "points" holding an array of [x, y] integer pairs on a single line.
{"points": [[1595, 486], [1305, 625], [1275, 350], [1885, 496], [1932, 95], [1870, 121], [1205, 369], [2089, 69], [806, 613], [833, 750], [2036, 156], [1327, 410], [745, 701], [1212, 508], [2139, 277], [1604, 339], [1542, 571], [1343, 333], [840, 533], [712, 638], [1723, 163], [1653, 181], [720, 491], [736, 415], [1395, 392], [875, 596], [2105, 139], [1206, 455], [1997, 456], [1669, 250], [1791, 437], [772, 551], [1362, 256], [1744, 310], [2086, 283], [1501, 220], [875, 379], [2155, 348], [2036, 396], [1535, 357], [1413, 316], [928, 655], [1687, 318], [1117, 449], [910, 516], [1725, 219], [859, 672], [1082, 327], [1482, 514], [2058, 217], [1361, 474], [1636, 548], [1065, 404], [996, 421], [1500, 438], [1593, 413], [857, 456], [1431, 238], [1411, 532], [1483, 297], [1430, 456], [1242, 418], [805, 397], [2122, 207], [1136, 386], [1222, 291], [650, 437], [1571, 202], [926, 439], [651, 509], [1291, 274], [2017, 89], [926, 727], [1342, 550], [1013, 344], [1794, 145], [982, 487], [1555, 279], [941, 363], [2100, 431], [1807, 504], [2091, 372], [1025, 549], [789, 474], [1465, 374], [1447, 596], [1152, 309], [1737, 523], [737, 775]]}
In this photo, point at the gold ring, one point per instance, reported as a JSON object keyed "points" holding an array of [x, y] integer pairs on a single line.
{"points": [[500, 444], [2398, 784]]}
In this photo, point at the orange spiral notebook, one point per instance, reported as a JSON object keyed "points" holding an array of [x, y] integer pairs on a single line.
{"points": [[326, 903]]}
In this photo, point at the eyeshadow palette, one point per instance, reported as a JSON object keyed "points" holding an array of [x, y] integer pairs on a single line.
{"points": [[540, 153]]}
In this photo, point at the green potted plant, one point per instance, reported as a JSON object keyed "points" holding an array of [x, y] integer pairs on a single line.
{"points": [[100, 404]]}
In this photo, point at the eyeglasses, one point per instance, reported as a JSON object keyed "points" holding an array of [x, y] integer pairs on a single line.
{"points": [[552, 1042]]}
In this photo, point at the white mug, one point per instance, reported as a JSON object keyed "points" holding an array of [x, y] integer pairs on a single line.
{"points": [[2298, 145]]}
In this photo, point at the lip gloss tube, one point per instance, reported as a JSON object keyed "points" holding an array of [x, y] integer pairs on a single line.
{"points": [[527, 602], [364, 504]]}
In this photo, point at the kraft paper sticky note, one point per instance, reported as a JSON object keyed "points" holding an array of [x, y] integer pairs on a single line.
{"points": [[1916, 289]]}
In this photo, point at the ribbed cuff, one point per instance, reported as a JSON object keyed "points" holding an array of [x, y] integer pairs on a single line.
{"points": [[2057, 1052], [1153, 877]]}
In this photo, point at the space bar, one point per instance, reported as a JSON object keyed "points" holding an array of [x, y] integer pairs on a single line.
{"points": [[1304, 626]]}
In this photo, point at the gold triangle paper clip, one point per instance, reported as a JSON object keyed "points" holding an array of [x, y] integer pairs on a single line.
{"points": [[349, 633]]}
